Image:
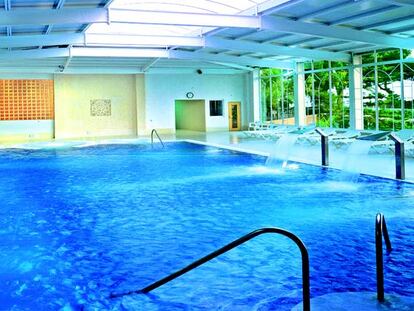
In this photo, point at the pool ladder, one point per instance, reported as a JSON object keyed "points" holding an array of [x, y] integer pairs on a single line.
{"points": [[380, 232], [154, 131], [230, 246]]}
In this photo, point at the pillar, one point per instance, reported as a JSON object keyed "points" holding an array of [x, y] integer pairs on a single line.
{"points": [[256, 94], [299, 94], [356, 103]]}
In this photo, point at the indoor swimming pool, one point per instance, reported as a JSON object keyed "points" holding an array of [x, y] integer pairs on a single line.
{"points": [[80, 223]]}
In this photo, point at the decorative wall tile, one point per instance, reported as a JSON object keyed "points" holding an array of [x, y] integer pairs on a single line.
{"points": [[26, 100], [100, 107]]}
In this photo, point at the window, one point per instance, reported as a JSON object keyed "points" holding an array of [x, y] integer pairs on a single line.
{"points": [[216, 108]]}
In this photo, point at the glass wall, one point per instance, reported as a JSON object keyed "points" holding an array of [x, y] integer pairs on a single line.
{"points": [[277, 96], [387, 92], [409, 95]]}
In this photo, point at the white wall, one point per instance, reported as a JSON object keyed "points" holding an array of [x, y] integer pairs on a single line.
{"points": [[73, 94], [161, 91], [26, 130]]}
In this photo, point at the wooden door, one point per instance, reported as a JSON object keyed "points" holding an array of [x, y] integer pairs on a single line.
{"points": [[234, 116]]}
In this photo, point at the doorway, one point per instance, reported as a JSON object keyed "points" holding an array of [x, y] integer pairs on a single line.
{"points": [[234, 116], [190, 115]]}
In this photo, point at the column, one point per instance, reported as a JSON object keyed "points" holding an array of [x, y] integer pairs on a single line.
{"points": [[256, 94], [299, 94], [356, 103]]}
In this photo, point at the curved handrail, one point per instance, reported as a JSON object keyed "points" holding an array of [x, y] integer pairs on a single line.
{"points": [[154, 131], [380, 231], [228, 247]]}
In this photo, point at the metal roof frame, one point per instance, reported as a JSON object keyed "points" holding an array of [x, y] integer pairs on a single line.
{"points": [[274, 33]]}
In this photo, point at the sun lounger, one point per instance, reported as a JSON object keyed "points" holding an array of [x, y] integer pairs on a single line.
{"points": [[312, 137], [388, 146], [344, 138]]}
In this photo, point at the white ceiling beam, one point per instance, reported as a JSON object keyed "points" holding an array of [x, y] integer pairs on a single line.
{"points": [[279, 24], [206, 71], [106, 15], [240, 60], [42, 40], [272, 49], [130, 40], [182, 19], [158, 53], [141, 53], [98, 40], [52, 16], [119, 52], [234, 66], [101, 70], [139, 40], [34, 54]]}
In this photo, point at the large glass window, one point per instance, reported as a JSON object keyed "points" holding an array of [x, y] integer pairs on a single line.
{"points": [[409, 95], [310, 97], [265, 101], [322, 98], [277, 96], [369, 98], [389, 100], [387, 92], [340, 98]]}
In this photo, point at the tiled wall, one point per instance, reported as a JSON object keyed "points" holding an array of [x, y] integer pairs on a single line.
{"points": [[26, 100]]}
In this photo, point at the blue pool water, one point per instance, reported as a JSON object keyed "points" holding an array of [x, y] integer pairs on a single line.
{"points": [[77, 224]]}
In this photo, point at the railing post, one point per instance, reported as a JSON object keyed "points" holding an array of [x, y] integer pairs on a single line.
{"points": [[380, 231], [226, 248], [324, 147], [399, 156], [152, 137], [154, 131], [379, 259]]}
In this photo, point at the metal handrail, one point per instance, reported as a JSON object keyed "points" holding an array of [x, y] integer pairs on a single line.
{"points": [[228, 247], [154, 131], [381, 231]]}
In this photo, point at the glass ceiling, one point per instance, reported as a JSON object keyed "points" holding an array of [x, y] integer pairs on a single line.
{"points": [[188, 6]]}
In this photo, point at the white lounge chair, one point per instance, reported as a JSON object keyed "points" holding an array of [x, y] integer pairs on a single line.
{"points": [[312, 137], [388, 145], [344, 138]]}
